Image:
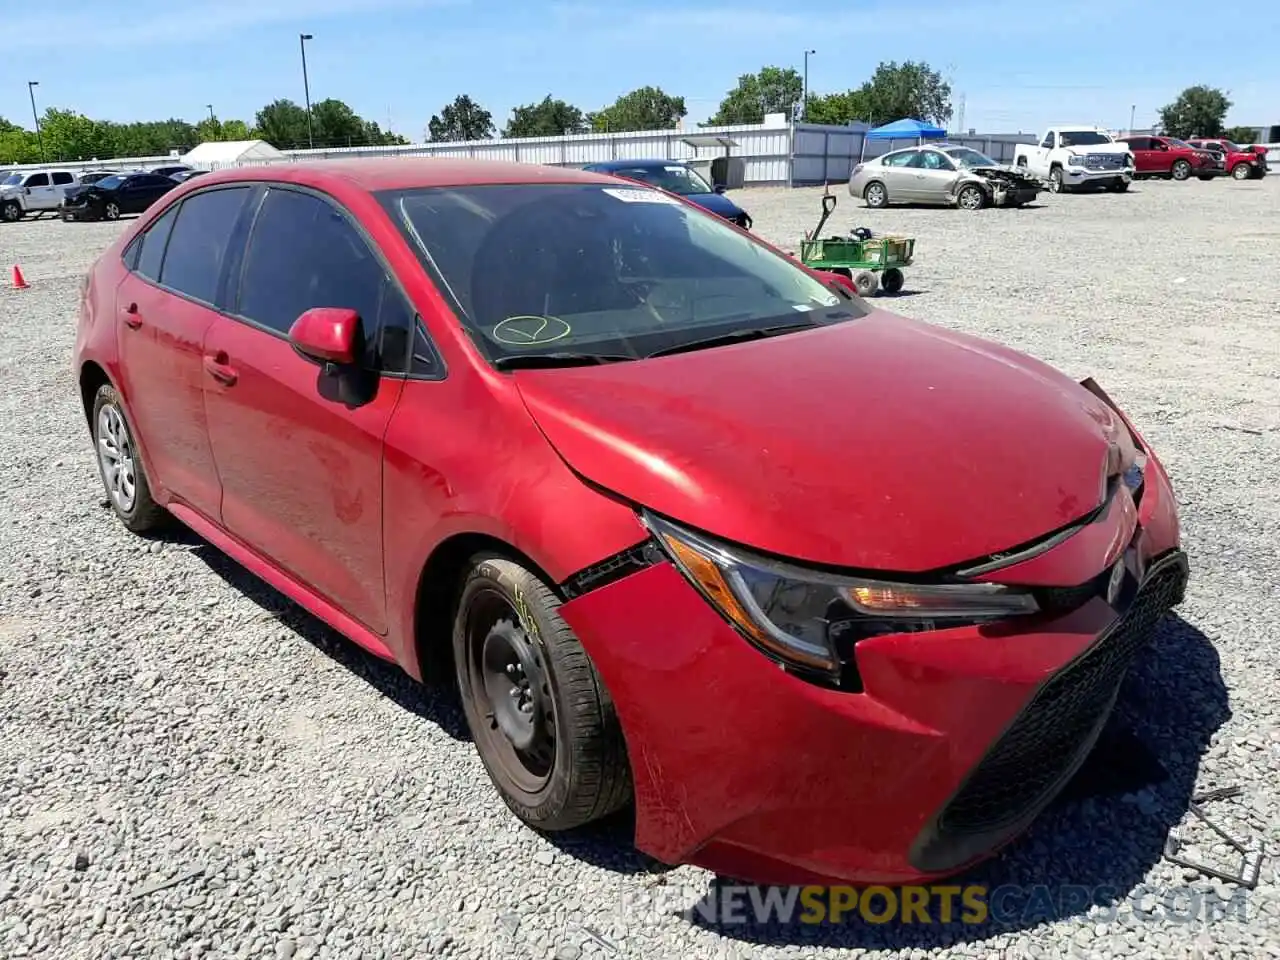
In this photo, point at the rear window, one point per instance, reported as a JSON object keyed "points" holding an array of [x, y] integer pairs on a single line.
{"points": [[198, 245], [618, 270]]}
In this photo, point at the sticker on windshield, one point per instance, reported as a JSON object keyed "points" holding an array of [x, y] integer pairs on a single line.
{"points": [[640, 196], [674, 169]]}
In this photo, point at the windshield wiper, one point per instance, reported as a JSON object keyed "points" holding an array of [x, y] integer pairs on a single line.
{"points": [[734, 336], [528, 361]]}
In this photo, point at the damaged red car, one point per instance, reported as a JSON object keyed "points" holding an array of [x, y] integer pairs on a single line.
{"points": [[825, 593]]}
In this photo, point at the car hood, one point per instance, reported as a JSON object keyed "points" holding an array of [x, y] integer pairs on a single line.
{"points": [[1101, 148], [717, 203], [882, 443]]}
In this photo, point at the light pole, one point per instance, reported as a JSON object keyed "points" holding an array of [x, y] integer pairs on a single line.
{"points": [[306, 86], [1132, 110], [212, 118], [31, 91], [804, 100]]}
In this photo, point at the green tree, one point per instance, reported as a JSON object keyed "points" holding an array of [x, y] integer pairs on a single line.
{"points": [[908, 90], [550, 118], [69, 135], [283, 124], [212, 129], [1198, 111], [1242, 136], [17, 145], [838, 109], [336, 125], [375, 136], [647, 108], [153, 138], [772, 90], [462, 120]]}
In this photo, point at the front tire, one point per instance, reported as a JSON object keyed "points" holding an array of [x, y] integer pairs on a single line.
{"points": [[542, 721], [11, 211], [111, 211], [1241, 171], [1055, 181], [120, 467], [971, 197], [1181, 170]]}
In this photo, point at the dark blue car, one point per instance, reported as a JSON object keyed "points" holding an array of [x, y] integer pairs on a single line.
{"points": [[676, 177]]}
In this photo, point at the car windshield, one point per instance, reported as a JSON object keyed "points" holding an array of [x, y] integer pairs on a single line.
{"points": [[111, 182], [12, 180], [614, 272], [672, 177], [1084, 138], [1180, 144], [967, 157]]}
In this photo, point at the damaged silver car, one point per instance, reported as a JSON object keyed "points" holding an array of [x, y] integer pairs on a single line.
{"points": [[942, 173]]}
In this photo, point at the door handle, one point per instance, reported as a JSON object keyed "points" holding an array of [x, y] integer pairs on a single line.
{"points": [[131, 318], [217, 367]]}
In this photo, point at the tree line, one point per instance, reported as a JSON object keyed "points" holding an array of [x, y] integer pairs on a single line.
{"points": [[894, 91]]}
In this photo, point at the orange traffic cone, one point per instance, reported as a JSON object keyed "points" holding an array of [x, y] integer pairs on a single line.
{"points": [[19, 281]]}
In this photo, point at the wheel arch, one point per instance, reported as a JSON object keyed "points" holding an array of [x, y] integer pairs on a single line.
{"points": [[93, 377], [438, 585]]}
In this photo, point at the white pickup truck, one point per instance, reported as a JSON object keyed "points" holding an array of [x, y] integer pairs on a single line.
{"points": [[1071, 156], [33, 191]]}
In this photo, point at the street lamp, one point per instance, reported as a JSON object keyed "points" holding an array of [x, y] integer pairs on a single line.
{"points": [[212, 118], [31, 91], [306, 87], [804, 101], [1132, 110]]}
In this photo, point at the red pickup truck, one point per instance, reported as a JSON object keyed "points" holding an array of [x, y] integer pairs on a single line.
{"points": [[1241, 163], [1172, 158]]}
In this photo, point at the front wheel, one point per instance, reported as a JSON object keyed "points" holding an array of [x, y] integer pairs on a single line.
{"points": [[1181, 170], [971, 197], [111, 211], [1119, 186], [11, 211], [1241, 171], [1055, 180], [542, 721]]}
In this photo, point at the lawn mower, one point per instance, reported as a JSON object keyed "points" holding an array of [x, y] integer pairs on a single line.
{"points": [[872, 263]]}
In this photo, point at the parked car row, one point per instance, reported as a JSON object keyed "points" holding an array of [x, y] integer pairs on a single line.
{"points": [[87, 195]]}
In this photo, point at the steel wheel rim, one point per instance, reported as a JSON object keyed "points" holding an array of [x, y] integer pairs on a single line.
{"points": [[510, 691], [116, 458], [970, 198]]}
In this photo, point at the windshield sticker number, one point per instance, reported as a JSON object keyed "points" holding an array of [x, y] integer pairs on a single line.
{"points": [[641, 196]]}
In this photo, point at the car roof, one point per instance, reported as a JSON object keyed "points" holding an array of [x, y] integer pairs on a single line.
{"points": [[401, 173]]}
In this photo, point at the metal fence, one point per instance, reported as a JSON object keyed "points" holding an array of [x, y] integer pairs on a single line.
{"points": [[776, 152]]}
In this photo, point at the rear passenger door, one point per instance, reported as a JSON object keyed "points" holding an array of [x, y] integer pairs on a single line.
{"points": [[140, 192], [164, 306], [299, 446], [1143, 155], [60, 180]]}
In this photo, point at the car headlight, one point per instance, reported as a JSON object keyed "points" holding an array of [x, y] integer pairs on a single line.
{"points": [[809, 619], [1075, 160]]}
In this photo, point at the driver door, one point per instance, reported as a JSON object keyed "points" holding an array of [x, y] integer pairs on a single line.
{"points": [[933, 175], [898, 174]]}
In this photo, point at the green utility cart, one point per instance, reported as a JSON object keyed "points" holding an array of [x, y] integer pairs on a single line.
{"points": [[871, 262]]}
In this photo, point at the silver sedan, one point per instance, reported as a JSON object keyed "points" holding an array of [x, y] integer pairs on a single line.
{"points": [[943, 174]]}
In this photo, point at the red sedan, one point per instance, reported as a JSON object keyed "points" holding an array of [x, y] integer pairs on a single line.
{"points": [[826, 593]]}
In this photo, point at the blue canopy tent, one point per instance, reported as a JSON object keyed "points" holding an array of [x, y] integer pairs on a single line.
{"points": [[904, 129]]}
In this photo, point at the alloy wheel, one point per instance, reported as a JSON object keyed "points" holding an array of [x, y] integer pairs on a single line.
{"points": [[111, 211], [115, 455]]}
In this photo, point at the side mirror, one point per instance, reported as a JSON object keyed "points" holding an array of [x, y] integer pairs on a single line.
{"points": [[327, 334], [719, 188]]}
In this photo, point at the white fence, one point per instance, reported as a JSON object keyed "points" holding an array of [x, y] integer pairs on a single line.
{"points": [[773, 153]]}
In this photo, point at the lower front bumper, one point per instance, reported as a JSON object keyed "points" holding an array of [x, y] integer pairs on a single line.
{"points": [[743, 769], [70, 214]]}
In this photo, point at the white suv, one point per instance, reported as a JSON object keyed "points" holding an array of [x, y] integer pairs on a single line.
{"points": [[33, 191]]}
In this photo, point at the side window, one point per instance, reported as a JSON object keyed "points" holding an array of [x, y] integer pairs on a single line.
{"points": [[1047, 142], [62, 178], [153, 244], [302, 254], [199, 241], [38, 180], [902, 159]]}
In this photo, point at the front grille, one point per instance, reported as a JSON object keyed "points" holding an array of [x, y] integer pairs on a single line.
{"points": [[1052, 735], [1104, 161]]}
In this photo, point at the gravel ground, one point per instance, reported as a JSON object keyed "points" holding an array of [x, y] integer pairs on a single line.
{"points": [[167, 720]]}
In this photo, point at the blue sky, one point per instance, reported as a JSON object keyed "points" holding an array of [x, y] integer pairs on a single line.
{"points": [[1019, 65]]}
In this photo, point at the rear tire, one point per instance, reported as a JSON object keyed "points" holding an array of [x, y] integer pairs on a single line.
{"points": [[542, 721], [891, 281], [875, 195], [865, 282], [120, 467]]}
